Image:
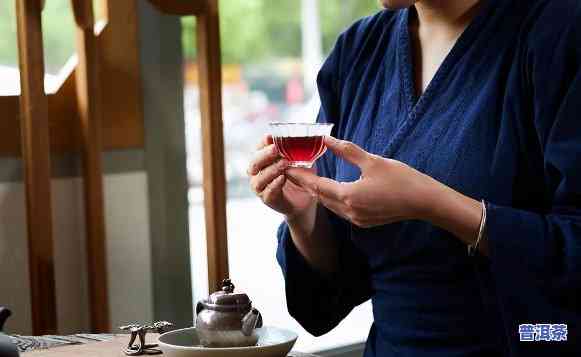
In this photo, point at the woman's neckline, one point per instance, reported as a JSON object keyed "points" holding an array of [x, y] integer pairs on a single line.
{"points": [[416, 104]]}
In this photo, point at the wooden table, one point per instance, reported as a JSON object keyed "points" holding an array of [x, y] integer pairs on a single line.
{"points": [[111, 348]]}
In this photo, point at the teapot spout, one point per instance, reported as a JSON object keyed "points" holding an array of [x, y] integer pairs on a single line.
{"points": [[250, 321]]}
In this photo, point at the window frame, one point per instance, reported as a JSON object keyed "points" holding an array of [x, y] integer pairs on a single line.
{"points": [[122, 126]]}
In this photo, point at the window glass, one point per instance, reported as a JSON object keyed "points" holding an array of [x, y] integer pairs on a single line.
{"points": [[58, 39], [271, 52], [58, 32], [9, 75]]}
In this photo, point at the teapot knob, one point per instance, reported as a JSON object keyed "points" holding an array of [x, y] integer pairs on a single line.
{"points": [[227, 286]]}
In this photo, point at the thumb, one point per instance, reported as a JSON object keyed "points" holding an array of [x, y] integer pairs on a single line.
{"points": [[347, 150]]}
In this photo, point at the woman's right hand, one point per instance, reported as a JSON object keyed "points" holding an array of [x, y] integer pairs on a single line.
{"points": [[270, 184]]}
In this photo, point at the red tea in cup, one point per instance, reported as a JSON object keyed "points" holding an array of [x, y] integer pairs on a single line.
{"points": [[300, 143]]}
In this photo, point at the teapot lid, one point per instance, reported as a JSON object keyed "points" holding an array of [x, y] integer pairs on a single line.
{"points": [[226, 296]]}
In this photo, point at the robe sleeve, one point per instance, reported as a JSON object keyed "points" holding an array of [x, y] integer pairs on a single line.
{"points": [[319, 301], [535, 257]]}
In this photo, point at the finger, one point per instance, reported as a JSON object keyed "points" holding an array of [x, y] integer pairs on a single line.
{"points": [[266, 140], [274, 190], [356, 217], [264, 157], [338, 207], [267, 175], [347, 150], [319, 186], [302, 178]]}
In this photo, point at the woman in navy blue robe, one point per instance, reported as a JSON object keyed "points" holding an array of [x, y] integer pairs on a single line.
{"points": [[490, 149]]}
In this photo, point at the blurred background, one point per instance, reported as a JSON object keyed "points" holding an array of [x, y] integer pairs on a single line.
{"points": [[271, 52]]}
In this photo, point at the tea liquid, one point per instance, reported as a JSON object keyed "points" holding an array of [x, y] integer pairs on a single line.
{"points": [[300, 150]]}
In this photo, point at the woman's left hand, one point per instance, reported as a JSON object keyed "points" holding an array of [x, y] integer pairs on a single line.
{"points": [[388, 190]]}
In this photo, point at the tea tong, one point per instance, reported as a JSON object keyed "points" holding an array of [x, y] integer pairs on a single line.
{"points": [[141, 348]]}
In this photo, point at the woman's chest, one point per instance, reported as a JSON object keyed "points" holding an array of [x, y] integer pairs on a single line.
{"points": [[462, 132]]}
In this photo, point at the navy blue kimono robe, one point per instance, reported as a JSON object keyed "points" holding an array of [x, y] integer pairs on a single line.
{"points": [[500, 121]]}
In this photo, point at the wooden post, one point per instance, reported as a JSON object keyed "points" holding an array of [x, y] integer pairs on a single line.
{"points": [[209, 61], [90, 120], [36, 156]]}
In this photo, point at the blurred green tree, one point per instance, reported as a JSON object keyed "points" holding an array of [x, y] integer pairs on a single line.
{"points": [[8, 51], [252, 30], [256, 30], [58, 33]]}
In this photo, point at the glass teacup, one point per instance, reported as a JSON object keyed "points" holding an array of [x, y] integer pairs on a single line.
{"points": [[300, 143]]}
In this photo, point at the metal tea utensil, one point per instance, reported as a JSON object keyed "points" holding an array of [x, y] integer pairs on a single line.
{"points": [[137, 330], [227, 319]]}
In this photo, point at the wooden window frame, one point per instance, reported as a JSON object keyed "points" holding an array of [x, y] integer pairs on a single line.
{"points": [[122, 124], [36, 157], [97, 106], [86, 116]]}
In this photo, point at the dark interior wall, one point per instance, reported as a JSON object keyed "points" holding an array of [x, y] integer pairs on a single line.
{"points": [[65, 166], [165, 162], [128, 242]]}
